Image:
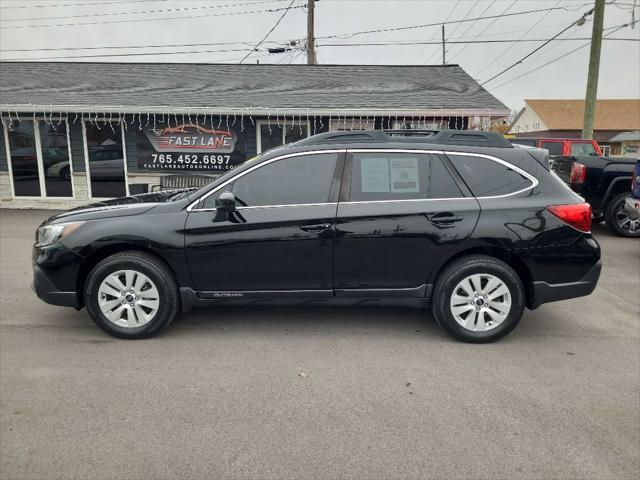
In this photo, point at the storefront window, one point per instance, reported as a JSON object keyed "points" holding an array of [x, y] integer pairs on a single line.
{"points": [[55, 159], [24, 160], [106, 160], [271, 136]]}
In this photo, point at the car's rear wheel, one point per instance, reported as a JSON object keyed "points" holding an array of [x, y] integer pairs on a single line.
{"points": [[619, 221], [478, 299], [131, 295]]}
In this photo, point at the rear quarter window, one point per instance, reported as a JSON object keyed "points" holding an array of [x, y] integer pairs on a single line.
{"points": [[486, 177]]}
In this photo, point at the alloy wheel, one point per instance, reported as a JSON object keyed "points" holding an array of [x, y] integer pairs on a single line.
{"points": [[625, 222], [480, 302], [128, 298]]}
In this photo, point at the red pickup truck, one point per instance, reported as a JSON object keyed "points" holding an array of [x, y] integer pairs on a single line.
{"points": [[566, 147]]}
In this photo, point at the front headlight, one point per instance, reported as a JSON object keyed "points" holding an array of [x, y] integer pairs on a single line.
{"points": [[50, 234]]}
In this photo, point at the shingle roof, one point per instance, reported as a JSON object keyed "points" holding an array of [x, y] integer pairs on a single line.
{"points": [[569, 114], [626, 137], [96, 86]]}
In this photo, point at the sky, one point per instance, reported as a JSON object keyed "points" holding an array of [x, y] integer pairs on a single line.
{"points": [[225, 31]]}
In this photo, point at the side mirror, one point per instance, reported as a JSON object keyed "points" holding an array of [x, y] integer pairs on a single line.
{"points": [[226, 202]]}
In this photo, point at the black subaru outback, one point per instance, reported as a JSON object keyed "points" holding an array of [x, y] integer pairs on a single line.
{"points": [[463, 222]]}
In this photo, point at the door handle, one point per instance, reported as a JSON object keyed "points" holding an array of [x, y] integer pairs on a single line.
{"points": [[446, 218], [316, 228]]}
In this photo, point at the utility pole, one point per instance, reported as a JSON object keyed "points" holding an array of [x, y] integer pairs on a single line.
{"points": [[311, 49], [594, 68], [444, 62]]}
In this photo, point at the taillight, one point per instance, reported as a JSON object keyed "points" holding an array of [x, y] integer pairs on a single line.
{"points": [[578, 173], [577, 215]]}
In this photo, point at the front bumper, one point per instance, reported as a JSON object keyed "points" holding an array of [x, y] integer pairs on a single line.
{"points": [[632, 207], [544, 292], [55, 272], [49, 293]]}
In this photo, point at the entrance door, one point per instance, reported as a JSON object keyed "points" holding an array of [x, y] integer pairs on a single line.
{"points": [[280, 238], [400, 212]]}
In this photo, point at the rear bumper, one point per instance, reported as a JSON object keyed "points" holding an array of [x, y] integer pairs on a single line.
{"points": [[49, 293], [544, 292]]}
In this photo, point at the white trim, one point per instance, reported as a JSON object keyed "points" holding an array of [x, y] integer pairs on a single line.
{"points": [[257, 111], [531, 178], [283, 124], [38, 144], [8, 153], [124, 156], [243, 173], [73, 183], [86, 158]]}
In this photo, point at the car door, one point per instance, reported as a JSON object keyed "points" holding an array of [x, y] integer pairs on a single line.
{"points": [[279, 241], [399, 213]]}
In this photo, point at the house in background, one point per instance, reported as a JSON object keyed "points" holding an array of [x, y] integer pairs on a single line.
{"points": [[564, 118], [626, 144]]}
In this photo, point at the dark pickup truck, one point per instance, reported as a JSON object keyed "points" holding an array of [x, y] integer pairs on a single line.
{"points": [[604, 182]]}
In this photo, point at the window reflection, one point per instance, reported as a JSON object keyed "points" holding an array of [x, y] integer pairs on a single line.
{"points": [[106, 160], [24, 161], [55, 159]]}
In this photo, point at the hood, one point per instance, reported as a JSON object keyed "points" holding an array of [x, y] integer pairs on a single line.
{"points": [[119, 207]]}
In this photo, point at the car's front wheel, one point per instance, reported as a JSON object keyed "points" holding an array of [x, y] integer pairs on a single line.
{"points": [[478, 299], [131, 295]]}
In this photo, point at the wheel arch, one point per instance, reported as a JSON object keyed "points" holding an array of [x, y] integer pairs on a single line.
{"points": [[511, 259], [106, 251]]}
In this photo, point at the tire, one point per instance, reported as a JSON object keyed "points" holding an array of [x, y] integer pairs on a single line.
{"points": [[617, 219], [65, 173], [154, 301], [487, 270]]}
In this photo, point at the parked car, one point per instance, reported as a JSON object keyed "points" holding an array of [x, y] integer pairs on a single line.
{"points": [[463, 222], [604, 182], [561, 146], [632, 203]]}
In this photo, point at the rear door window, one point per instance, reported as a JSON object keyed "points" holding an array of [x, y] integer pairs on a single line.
{"points": [[486, 177], [555, 148], [400, 176], [582, 149]]}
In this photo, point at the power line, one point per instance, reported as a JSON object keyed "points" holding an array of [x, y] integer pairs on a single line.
{"points": [[141, 12], [363, 44], [209, 44], [473, 23], [269, 10], [539, 47], [436, 33], [485, 28], [464, 42], [12, 7], [454, 30], [450, 22], [269, 32], [563, 56], [522, 36]]}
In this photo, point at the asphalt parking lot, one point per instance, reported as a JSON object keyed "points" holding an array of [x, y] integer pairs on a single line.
{"points": [[384, 392]]}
